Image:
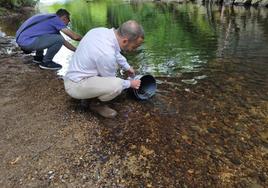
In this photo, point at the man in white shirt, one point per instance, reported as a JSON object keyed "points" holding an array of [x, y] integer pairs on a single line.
{"points": [[92, 70]]}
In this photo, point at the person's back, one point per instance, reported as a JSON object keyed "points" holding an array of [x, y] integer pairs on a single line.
{"points": [[45, 24], [95, 44]]}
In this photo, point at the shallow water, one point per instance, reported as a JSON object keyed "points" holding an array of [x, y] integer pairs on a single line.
{"points": [[179, 38]]}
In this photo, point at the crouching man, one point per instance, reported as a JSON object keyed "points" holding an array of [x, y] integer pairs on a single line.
{"points": [[42, 31], [92, 70]]}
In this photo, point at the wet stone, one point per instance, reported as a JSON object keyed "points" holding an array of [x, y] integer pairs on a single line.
{"points": [[235, 161], [263, 177], [212, 130]]}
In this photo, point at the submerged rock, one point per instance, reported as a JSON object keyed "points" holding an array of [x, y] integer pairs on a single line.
{"points": [[8, 46]]}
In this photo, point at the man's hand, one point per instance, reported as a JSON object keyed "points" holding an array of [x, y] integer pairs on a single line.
{"points": [[135, 84], [131, 72]]}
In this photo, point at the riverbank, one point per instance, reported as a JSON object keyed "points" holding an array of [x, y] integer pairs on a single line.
{"points": [[40, 125], [209, 135]]}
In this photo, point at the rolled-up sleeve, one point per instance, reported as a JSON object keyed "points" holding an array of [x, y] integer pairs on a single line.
{"points": [[122, 61], [126, 84]]}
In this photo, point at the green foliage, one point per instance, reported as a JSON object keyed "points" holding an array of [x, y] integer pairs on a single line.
{"points": [[17, 3]]}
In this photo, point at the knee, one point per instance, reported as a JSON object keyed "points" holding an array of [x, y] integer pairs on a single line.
{"points": [[60, 39], [115, 89], [116, 86]]}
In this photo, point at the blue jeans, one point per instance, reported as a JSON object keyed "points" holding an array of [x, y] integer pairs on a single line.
{"points": [[51, 42]]}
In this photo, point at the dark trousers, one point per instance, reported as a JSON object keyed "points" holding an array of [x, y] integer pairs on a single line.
{"points": [[51, 42]]}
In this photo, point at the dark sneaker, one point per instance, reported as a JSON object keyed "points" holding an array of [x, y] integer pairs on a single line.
{"points": [[38, 59], [103, 110], [51, 65]]}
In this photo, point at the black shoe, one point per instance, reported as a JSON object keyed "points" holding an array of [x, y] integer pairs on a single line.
{"points": [[51, 65], [38, 59]]}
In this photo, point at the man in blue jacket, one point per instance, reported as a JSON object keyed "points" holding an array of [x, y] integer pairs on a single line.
{"points": [[41, 32]]}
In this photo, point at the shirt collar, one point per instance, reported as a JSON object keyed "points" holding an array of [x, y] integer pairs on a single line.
{"points": [[117, 47]]}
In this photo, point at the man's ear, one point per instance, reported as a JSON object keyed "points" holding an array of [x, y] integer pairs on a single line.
{"points": [[125, 41], [62, 18]]}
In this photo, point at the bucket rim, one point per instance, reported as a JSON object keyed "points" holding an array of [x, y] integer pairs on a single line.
{"points": [[145, 95]]}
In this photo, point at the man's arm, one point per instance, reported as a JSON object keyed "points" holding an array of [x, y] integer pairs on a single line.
{"points": [[106, 66], [71, 34], [69, 45], [122, 61]]}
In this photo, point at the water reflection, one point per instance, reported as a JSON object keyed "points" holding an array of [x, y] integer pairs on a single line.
{"points": [[63, 57], [180, 38], [2, 34], [169, 47]]}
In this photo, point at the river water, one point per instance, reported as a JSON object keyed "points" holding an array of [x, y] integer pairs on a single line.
{"points": [[211, 66], [180, 38]]}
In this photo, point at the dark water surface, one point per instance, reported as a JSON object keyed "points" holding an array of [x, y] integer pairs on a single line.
{"points": [[207, 125]]}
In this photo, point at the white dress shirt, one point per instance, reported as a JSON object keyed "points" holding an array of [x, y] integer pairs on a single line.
{"points": [[98, 54]]}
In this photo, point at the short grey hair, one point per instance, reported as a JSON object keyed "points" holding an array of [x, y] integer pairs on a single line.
{"points": [[131, 29]]}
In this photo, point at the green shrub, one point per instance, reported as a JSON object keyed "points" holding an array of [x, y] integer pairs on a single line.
{"points": [[17, 3]]}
